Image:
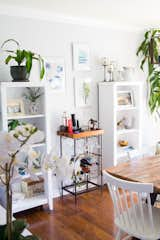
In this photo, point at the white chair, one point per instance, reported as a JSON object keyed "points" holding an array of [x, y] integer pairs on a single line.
{"points": [[133, 215]]}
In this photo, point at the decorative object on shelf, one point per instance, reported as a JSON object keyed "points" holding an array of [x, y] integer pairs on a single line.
{"points": [[149, 52], [105, 64], [15, 107], [24, 59], [92, 124], [32, 96], [123, 143], [125, 123], [11, 146], [111, 68], [125, 98], [55, 73], [32, 188], [81, 57], [83, 92], [128, 73]]}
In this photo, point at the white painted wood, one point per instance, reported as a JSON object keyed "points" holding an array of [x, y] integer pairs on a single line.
{"points": [[109, 112], [43, 120], [134, 216]]}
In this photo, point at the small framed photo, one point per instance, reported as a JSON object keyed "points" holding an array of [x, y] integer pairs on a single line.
{"points": [[15, 107], [81, 57], [125, 98]]}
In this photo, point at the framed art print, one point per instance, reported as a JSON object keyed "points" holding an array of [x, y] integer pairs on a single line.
{"points": [[55, 73], [81, 57]]}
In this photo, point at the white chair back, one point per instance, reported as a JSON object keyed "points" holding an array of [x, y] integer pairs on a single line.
{"points": [[130, 209]]}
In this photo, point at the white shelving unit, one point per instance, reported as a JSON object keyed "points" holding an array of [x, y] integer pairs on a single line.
{"points": [[15, 90], [110, 112]]}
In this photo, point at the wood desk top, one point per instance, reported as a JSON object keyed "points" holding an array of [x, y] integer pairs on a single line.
{"points": [[145, 170], [84, 134]]}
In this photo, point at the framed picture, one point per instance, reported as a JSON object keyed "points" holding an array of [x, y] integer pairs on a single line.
{"points": [[55, 73], [15, 107], [83, 92], [125, 98], [81, 57]]}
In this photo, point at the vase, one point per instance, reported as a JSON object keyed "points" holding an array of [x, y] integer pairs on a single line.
{"points": [[33, 108]]}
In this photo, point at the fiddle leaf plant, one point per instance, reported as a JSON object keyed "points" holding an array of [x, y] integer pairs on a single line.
{"points": [[149, 54], [23, 57]]}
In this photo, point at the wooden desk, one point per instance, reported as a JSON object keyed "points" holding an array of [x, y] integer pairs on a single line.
{"points": [[145, 170]]}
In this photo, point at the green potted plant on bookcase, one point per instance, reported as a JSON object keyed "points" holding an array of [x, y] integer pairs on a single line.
{"points": [[24, 59]]}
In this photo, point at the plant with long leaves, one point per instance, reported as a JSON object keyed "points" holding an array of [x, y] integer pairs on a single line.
{"points": [[12, 146], [33, 94], [149, 53], [22, 56]]}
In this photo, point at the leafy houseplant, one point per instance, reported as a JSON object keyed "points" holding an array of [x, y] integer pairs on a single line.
{"points": [[12, 144], [149, 52], [24, 59], [32, 95]]}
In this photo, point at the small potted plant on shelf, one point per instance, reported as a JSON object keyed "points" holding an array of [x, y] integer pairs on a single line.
{"points": [[32, 96], [12, 144], [24, 59]]}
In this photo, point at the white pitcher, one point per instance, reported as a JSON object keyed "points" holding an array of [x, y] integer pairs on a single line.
{"points": [[128, 73]]}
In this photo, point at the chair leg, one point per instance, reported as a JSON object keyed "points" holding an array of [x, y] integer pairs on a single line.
{"points": [[118, 235]]}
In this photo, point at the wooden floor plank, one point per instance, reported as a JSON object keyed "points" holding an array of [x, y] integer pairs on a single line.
{"points": [[91, 219]]}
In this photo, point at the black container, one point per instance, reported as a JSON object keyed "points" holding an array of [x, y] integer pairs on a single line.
{"points": [[19, 74], [73, 121]]}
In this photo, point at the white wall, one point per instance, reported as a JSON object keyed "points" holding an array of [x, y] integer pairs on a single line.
{"points": [[54, 39]]}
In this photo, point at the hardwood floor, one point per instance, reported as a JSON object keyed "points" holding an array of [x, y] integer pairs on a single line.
{"points": [[90, 219]]}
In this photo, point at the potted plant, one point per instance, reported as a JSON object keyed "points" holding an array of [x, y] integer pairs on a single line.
{"points": [[11, 145], [32, 95], [149, 53], [23, 58]]}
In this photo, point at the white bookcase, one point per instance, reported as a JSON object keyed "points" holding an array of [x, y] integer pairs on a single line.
{"points": [[10, 91], [111, 111]]}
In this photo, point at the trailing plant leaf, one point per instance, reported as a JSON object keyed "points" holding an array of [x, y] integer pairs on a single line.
{"points": [[150, 45]]}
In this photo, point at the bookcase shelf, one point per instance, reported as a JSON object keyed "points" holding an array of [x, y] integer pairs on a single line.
{"points": [[15, 90], [112, 111]]}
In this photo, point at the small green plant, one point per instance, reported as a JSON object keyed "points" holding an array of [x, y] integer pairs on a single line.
{"points": [[86, 88], [33, 94], [22, 56], [149, 53]]}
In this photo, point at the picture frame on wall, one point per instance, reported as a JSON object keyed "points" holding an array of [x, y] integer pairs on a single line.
{"points": [[83, 92], [55, 73], [15, 107], [81, 57], [125, 99]]}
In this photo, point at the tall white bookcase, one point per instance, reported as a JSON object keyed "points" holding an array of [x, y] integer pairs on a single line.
{"points": [[10, 91], [111, 111]]}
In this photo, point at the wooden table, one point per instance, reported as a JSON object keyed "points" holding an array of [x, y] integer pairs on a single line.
{"points": [[145, 170]]}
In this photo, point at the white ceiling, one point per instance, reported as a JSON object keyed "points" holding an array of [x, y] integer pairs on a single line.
{"points": [[132, 13]]}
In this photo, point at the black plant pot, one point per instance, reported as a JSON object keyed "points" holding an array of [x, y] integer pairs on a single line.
{"points": [[19, 74]]}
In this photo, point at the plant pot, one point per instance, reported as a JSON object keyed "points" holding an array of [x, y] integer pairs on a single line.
{"points": [[19, 74]]}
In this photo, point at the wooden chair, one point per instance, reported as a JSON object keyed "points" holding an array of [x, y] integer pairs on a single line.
{"points": [[133, 216]]}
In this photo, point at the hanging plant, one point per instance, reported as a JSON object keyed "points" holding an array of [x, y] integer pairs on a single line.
{"points": [[149, 53]]}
